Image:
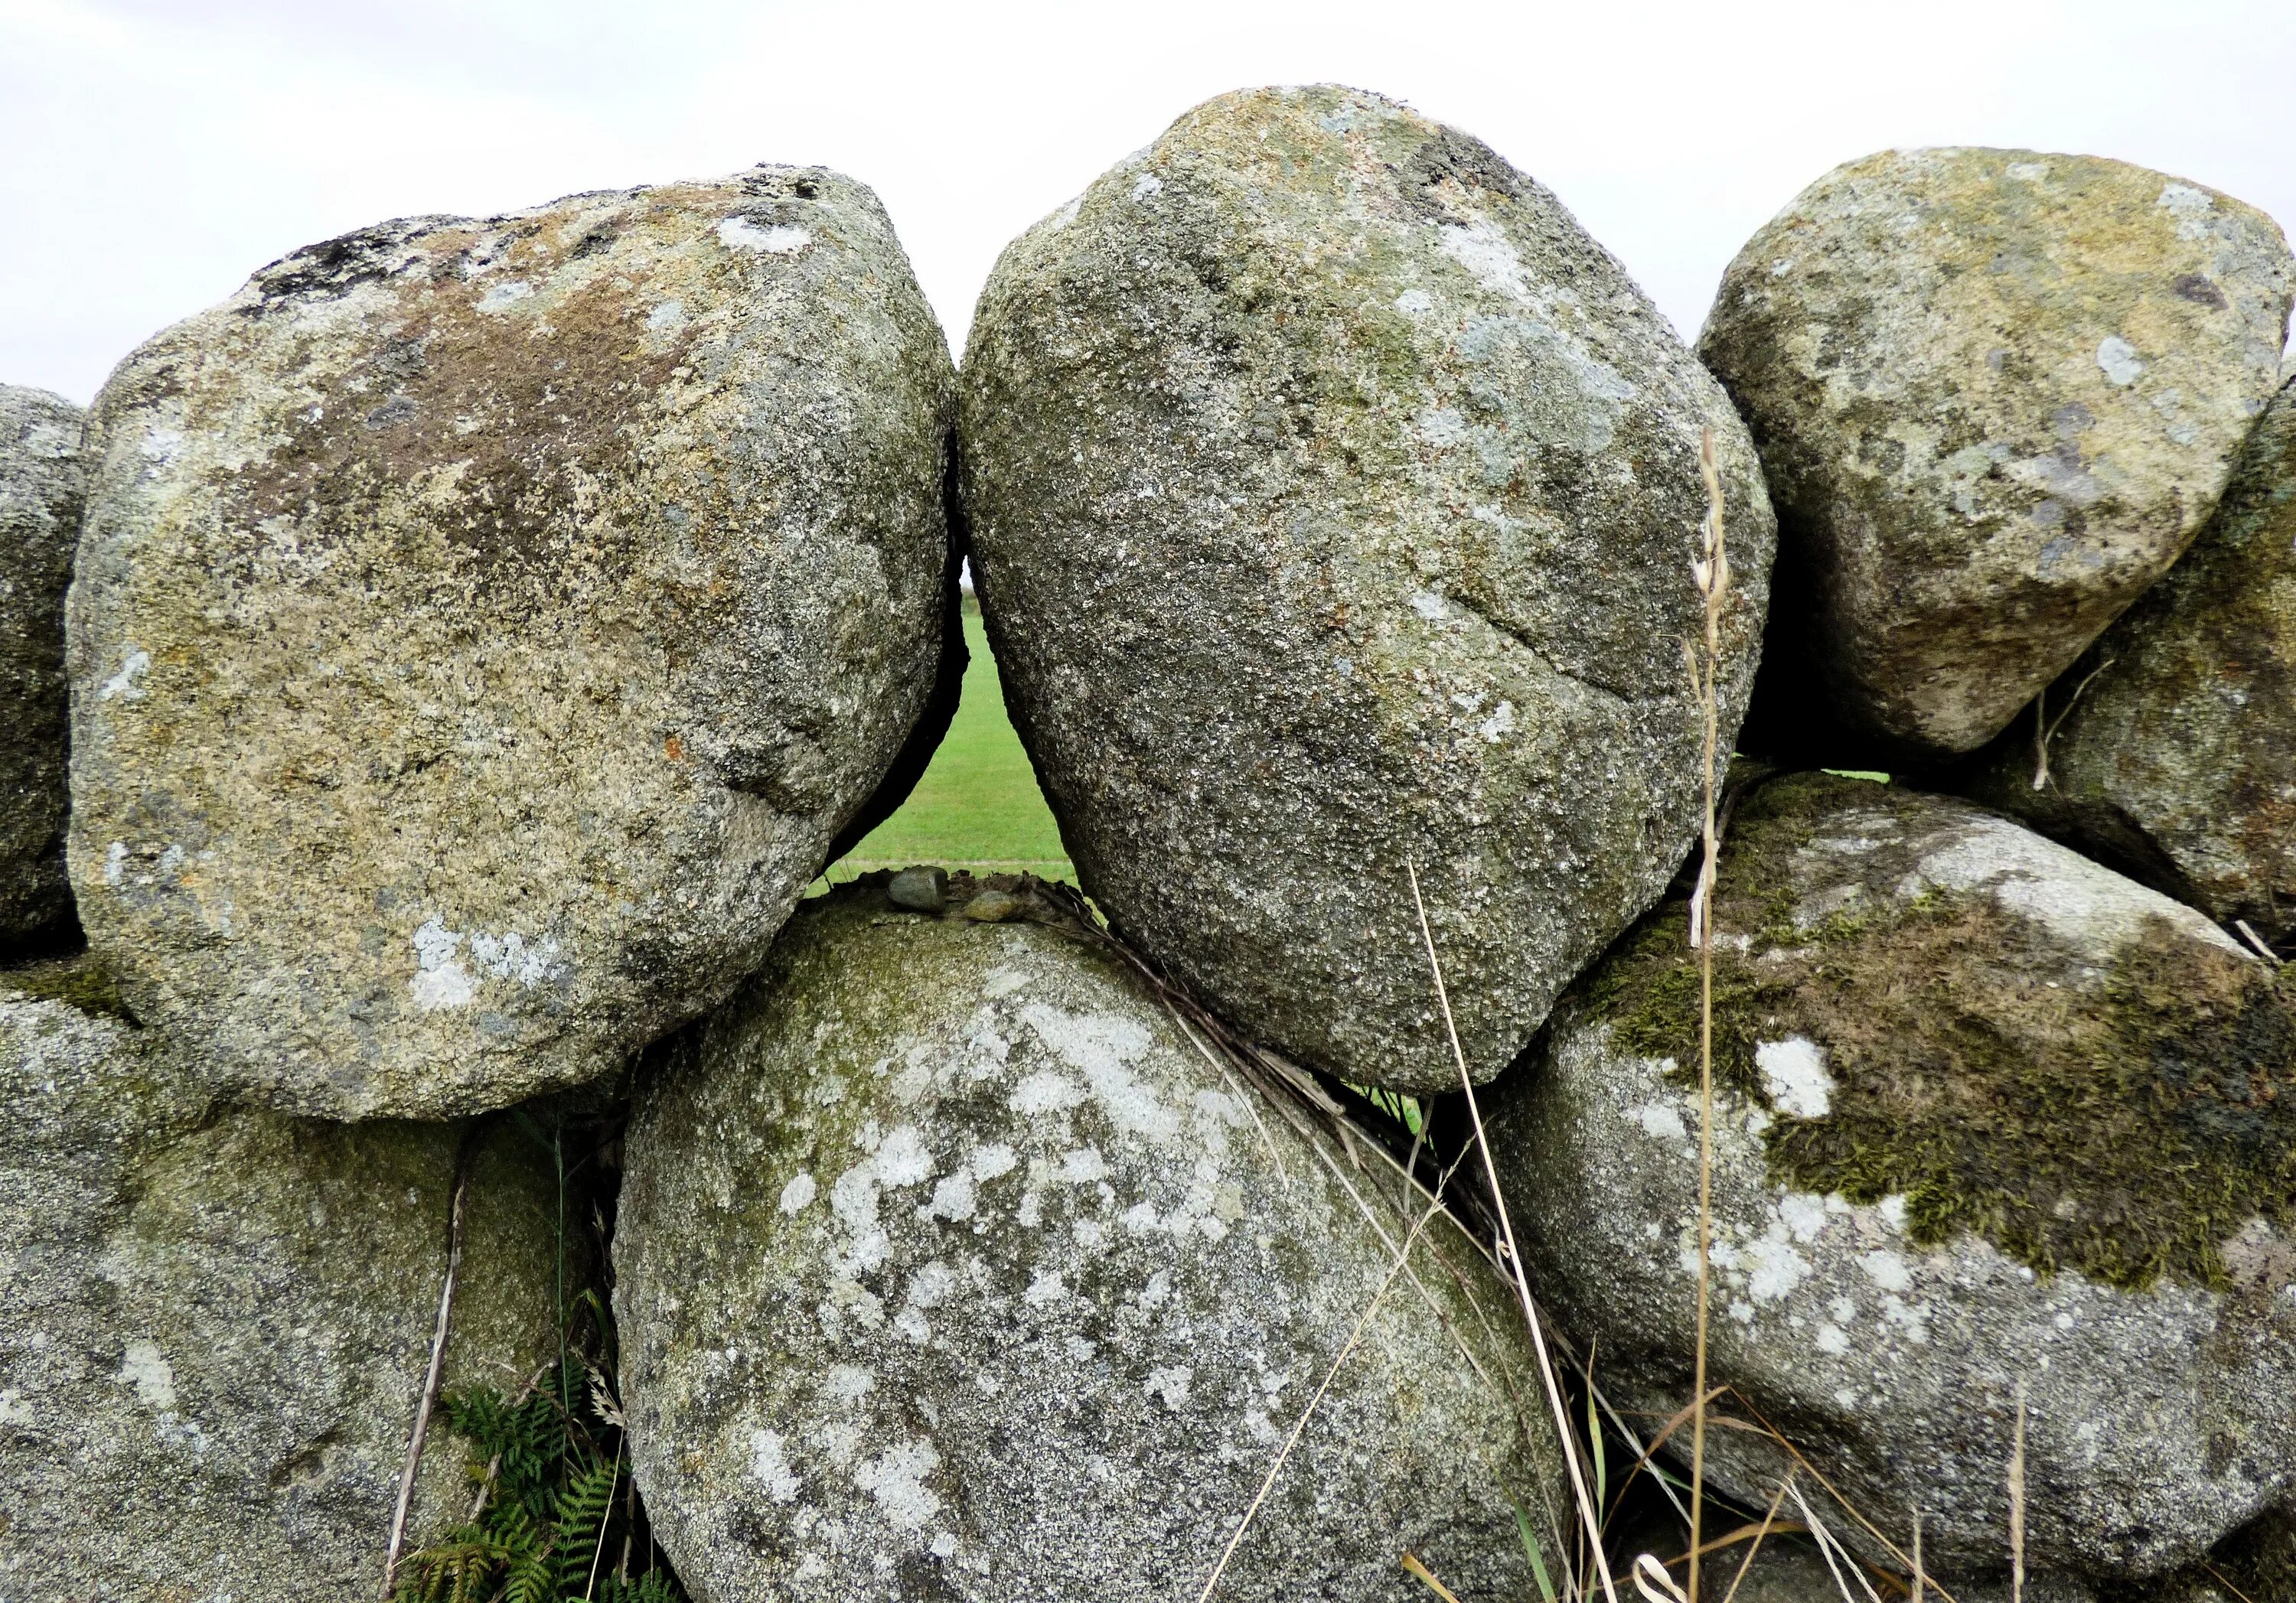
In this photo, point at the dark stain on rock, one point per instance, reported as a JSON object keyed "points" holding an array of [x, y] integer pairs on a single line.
{"points": [[2196, 288], [333, 267], [526, 420]]}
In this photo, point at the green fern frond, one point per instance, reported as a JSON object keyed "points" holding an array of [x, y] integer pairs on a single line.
{"points": [[654, 1586], [549, 1461], [531, 1580], [583, 1507]]}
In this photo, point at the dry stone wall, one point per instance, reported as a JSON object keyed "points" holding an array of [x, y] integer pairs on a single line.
{"points": [[479, 631]]}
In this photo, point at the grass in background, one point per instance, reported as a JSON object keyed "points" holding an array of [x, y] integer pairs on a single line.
{"points": [[978, 805]]}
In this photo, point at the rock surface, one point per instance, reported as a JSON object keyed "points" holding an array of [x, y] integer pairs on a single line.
{"points": [[1334, 498], [944, 1258], [2171, 744], [41, 485], [483, 628], [214, 1326], [1987, 1115], [2255, 1566], [1995, 392]]}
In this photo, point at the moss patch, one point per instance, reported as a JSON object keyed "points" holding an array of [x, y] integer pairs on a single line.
{"points": [[80, 982], [2123, 1123]]}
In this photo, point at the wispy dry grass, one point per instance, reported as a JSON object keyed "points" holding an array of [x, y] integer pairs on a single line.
{"points": [[1769, 1519], [1710, 572], [1511, 1266], [1346, 1350], [2017, 1504]]}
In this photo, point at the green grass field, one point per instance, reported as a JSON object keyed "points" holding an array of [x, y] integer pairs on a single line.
{"points": [[978, 805]]}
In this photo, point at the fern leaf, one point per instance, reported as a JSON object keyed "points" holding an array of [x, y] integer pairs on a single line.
{"points": [[583, 1507], [530, 1580]]}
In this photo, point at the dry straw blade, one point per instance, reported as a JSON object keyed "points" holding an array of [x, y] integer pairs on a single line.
{"points": [[1710, 572], [1589, 1516]]}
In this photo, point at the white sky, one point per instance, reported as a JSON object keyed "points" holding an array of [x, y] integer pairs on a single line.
{"points": [[153, 152]]}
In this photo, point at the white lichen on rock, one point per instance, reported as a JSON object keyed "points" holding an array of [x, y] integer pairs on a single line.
{"points": [[1066, 1288]]}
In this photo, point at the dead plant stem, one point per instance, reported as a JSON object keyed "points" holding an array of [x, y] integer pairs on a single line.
{"points": [[598, 1553], [1754, 1552], [2017, 1503], [431, 1378], [1712, 575], [1299, 1425], [1588, 1513]]}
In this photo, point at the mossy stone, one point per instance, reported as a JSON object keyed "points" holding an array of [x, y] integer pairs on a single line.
{"points": [[2126, 1125], [1989, 1115]]}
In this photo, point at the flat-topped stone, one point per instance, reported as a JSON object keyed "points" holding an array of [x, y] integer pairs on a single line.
{"points": [[1993, 1122]]}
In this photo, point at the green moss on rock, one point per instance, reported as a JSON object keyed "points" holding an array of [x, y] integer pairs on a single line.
{"points": [[2122, 1118], [83, 982]]}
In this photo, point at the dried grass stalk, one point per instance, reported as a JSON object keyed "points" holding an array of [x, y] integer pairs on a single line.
{"points": [[1590, 1517], [1710, 572], [431, 1378]]}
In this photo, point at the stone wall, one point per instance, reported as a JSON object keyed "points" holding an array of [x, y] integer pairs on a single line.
{"points": [[478, 633]]}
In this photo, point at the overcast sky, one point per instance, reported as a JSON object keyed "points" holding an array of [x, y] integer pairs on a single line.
{"points": [[153, 152]]}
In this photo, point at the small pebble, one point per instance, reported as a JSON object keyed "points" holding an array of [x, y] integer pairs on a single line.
{"points": [[993, 906], [920, 889]]}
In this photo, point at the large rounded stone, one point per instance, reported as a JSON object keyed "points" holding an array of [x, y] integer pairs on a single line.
{"points": [[41, 483], [2170, 746], [1989, 1118], [483, 628], [1995, 392], [1334, 498], [947, 1265], [215, 1326]]}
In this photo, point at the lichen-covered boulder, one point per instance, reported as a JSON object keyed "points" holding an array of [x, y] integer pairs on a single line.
{"points": [[41, 483], [1988, 1116], [2170, 746], [484, 628], [1334, 499], [1995, 393], [946, 1263], [215, 1325]]}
